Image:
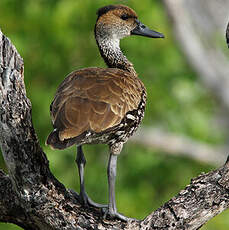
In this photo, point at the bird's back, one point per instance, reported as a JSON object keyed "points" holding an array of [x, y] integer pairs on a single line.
{"points": [[92, 102]]}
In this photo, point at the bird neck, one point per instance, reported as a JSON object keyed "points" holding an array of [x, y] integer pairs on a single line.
{"points": [[113, 56]]}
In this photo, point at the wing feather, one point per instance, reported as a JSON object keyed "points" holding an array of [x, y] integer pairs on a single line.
{"points": [[94, 99]]}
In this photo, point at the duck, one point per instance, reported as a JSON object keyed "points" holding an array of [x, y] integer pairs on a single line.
{"points": [[102, 105]]}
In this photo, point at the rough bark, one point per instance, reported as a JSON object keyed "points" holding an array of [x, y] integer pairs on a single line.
{"points": [[31, 197]]}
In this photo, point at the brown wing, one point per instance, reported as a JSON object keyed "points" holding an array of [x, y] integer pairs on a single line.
{"points": [[94, 99]]}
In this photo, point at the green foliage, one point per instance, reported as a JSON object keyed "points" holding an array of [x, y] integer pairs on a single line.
{"points": [[55, 37]]}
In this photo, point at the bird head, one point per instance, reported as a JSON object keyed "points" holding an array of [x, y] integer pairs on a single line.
{"points": [[119, 21]]}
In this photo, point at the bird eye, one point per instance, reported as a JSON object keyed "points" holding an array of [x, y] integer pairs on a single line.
{"points": [[124, 17]]}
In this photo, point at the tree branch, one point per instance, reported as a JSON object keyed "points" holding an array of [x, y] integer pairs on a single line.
{"points": [[180, 145], [11, 211], [204, 198], [31, 197], [205, 56]]}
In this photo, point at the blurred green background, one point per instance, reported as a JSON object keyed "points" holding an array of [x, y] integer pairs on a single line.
{"points": [[55, 37]]}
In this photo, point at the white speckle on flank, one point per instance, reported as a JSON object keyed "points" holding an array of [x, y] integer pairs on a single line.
{"points": [[130, 116]]}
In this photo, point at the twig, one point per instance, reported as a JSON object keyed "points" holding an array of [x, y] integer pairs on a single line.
{"points": [[179, 145]]}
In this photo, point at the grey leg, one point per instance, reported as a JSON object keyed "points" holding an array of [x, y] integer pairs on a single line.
{"points": [[111, 171], [81, 161]]}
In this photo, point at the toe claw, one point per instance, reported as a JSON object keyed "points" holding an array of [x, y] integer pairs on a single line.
{"points": [[94, 204], [75, 194], [86, 201], [113, 215]]}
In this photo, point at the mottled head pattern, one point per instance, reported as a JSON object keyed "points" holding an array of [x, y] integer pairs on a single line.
{"points": [[115, 21]]}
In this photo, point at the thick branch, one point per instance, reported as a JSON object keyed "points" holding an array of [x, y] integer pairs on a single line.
{"points": [[36, 200], [204, 198], [46, 202], [10, 210]]}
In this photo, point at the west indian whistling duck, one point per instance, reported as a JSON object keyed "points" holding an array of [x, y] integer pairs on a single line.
{"points": [[102, 105]]}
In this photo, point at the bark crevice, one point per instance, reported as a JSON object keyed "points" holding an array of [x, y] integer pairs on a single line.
{"points": [[31, 197]]}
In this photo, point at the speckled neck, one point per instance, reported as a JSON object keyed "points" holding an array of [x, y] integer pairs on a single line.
{"points": [[113, 56]]}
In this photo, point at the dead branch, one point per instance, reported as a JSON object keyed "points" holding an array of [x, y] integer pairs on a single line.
{"points": [[31, 197], [179, 145], [196, 35]]}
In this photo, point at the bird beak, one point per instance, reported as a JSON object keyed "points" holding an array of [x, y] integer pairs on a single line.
{"points": [[143, 30]]}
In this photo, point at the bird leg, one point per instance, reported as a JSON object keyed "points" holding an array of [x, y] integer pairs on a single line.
{"points": [[84, 198], [111, 171]]}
